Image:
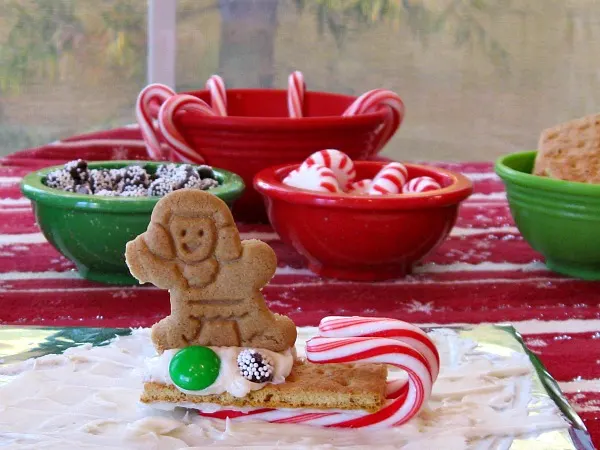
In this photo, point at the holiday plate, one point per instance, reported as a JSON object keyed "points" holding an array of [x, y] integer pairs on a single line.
{"points": [[18, 345]]}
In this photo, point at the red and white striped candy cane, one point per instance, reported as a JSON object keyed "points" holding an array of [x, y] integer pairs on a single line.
{"points": [[389, 180], [175, 104], [340, 163], [421, 184], [360, 187], [371, 340], [218, 95], [152, 95], [295, 96], [355, 326], [314, 178], [373, 100]]}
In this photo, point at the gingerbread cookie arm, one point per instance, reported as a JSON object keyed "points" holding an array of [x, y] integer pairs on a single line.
{"points": [[148, 268], [258, 262]]}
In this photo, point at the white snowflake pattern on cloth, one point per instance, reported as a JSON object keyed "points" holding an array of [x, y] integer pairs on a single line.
{"points": [[122, 294], [119, 152], [536, 343], [417, 306]]}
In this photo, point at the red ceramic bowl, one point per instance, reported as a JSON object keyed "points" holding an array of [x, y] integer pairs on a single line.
{"points": [[363, 238], [258, 133]]}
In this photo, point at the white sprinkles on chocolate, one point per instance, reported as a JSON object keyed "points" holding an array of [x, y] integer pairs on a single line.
{"points": [[130, 181], [254, 366]]}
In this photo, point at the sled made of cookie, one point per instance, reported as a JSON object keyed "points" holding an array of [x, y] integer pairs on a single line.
{"points": [[358, 347], [218, 315]]}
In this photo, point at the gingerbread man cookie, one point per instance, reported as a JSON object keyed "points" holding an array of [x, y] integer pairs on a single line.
{"points": [[192, 248]]}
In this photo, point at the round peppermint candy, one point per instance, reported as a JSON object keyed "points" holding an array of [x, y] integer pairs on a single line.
{"points": [[339, 163], [313, 178], [360, 187], [389, 180], [421, 184]]}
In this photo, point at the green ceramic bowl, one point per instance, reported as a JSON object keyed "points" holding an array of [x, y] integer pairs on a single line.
{"points": [[92, 230], [559, 219]]}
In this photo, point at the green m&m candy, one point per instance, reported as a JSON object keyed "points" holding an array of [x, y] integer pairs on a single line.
{"points": [[194, 368]]}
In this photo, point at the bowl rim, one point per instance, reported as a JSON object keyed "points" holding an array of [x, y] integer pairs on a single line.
{"points": [[231, 188], [190, 120], [507, 173], [267, 183]]}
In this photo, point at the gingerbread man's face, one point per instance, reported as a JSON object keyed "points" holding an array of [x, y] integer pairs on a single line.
{"points": [[194, 238]]}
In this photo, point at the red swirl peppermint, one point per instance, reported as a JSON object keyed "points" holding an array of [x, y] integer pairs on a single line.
{"points": [[315, 178], [340, 163], [389, 180], [420, 184]]}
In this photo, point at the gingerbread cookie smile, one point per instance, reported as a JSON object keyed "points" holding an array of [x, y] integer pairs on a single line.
{"points": [[222, 351]]}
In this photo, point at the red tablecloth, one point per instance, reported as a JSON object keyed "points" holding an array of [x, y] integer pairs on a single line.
{"points": [[484, 272]]}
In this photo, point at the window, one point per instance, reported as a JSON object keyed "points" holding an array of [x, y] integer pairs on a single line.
{"points": [[479, 77]]}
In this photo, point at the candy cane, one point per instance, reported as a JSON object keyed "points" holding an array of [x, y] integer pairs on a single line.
{"points": [[315, 178], [340, 163], [218, 95], [295, 98], [370, 102], [151, 94], [174, 138], [389, 180], [355, 326], [421, 184], [371, 340]]}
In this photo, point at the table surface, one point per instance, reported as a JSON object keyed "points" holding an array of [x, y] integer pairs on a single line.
{"points": [[484, 272]]}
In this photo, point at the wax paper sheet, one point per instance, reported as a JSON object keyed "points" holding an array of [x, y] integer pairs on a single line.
{"points": [[21, 343]]}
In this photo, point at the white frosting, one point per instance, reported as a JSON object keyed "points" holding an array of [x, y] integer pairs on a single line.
{"points": [[229, 379], [87, 398]]}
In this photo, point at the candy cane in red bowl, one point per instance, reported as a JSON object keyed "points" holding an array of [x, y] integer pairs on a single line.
{"points": [[258, 132], [364, 340], [171, 133], [218, 94], [296, 89], [149, 99], [375, 100]]}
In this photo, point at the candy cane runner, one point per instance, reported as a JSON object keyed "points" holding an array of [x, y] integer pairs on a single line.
{"points": [[370, 102], [295, 97], [152, 95], [218, 95], [175, 104], [371, 340]]}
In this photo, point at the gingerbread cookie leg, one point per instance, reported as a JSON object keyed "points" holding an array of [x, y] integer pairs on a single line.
{"points": [[266, 330]]}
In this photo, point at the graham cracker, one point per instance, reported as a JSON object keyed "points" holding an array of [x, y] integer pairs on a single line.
{"points": [[314, 386], [571, 151]]}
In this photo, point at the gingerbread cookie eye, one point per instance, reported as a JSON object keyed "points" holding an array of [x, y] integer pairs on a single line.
{"points": [[194, 238]]}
